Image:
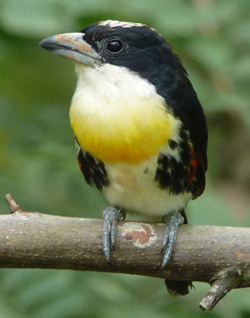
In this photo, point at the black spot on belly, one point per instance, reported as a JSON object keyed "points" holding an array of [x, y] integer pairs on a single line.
{"points": [[172, 144], [146, 170]]}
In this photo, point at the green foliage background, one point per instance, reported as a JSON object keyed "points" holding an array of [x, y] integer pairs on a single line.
{"points": [[37, 156]]}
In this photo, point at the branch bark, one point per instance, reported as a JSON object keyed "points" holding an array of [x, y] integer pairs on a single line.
{"points": [[217, 255]]}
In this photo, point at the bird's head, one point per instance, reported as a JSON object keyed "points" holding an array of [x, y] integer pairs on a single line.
{"points": [[134, 46]]}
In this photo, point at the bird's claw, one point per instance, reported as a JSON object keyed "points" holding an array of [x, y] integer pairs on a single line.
{"points": [[172, 221], [111, 216]]}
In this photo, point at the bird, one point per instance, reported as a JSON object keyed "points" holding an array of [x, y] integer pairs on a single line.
{"points": [[140, 130]]}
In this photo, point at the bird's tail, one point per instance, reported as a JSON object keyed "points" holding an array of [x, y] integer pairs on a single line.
{"points": [[177, 288]]}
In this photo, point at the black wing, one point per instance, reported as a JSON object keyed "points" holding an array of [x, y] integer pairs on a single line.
{"points": [[181, 97], [92, 169], [189, 110]]}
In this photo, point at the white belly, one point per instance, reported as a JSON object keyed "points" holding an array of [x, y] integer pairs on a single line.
{"points": [[133, 188]]}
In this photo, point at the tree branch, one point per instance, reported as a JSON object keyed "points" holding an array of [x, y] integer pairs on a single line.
{"points": [[216, 255]]}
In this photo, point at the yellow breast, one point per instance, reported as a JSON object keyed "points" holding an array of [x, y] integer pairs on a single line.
{"points": [[118, 117], [129, 136]]}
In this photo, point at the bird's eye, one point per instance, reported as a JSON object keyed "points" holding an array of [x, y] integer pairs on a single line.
{"points": [[115, 46]]}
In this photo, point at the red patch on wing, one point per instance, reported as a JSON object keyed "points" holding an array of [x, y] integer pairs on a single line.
{"points": [[79, 163], [193, 165]]}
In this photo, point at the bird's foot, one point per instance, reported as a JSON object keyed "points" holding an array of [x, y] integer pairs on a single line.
{"points": [[172, 221], [111, 216]]}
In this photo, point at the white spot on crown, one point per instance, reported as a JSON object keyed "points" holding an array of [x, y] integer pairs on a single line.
{"points": [[123, 24]]}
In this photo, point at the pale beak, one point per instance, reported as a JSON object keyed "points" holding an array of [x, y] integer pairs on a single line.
{"points": [[72, 46]]}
